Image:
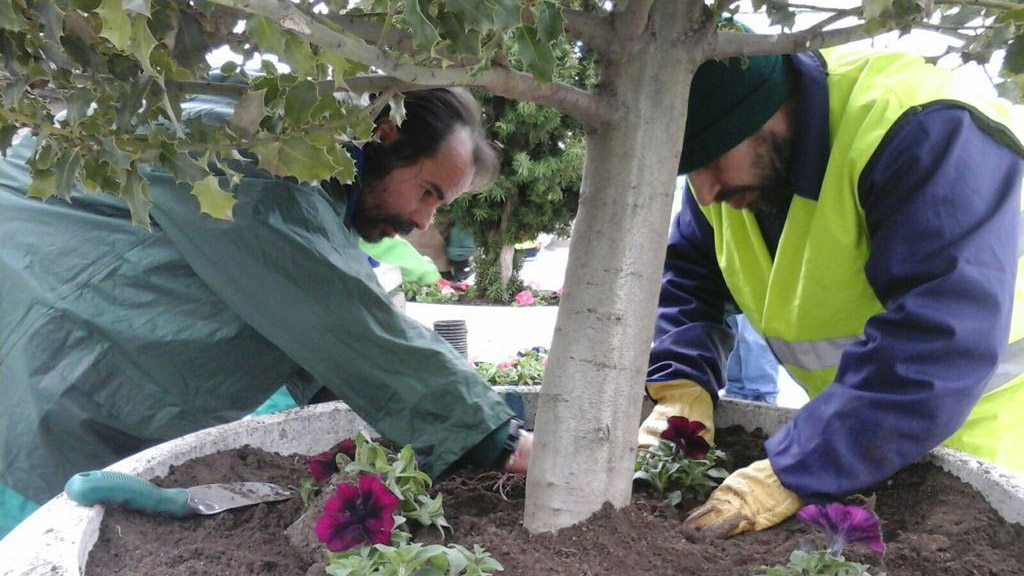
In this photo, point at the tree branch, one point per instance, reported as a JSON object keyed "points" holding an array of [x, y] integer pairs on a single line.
{"points": [[996, 4], [726, 44], [577, 103]]}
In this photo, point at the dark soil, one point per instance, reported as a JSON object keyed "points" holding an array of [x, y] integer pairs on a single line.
{"points": [[933, 524]]}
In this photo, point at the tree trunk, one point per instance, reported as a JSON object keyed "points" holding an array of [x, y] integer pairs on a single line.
{"points": [[505, 262], [507, 254], [589, 409]]}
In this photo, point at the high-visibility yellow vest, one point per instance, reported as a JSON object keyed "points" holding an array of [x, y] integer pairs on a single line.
{"points": [[814, 299]]}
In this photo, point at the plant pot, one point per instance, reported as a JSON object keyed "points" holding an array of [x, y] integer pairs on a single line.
{"points": [[56, 539]]}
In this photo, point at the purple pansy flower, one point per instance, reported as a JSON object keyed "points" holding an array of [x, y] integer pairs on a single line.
{"points": [[844, 524], [358, 514], [325, 464], [686, 435]]}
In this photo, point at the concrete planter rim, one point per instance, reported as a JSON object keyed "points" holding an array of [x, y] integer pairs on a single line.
{"points": [[56, 539]]}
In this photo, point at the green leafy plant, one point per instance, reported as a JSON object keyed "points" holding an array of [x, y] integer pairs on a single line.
{"points": [[413, 560], [671, 474], [526, 369], [443, 292], [681, 464], [365, 523], [817, 563], [536, 297]]}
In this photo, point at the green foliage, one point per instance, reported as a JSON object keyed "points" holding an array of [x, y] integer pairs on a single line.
{"points": [[668, 472], [402, 475], [817, 563], [307, 490], [537, 190], [526, 369], [444, 292], [123, 71], [413, 560]]}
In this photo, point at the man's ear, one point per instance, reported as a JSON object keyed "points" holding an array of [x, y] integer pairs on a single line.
{"points": [[386, 131]]}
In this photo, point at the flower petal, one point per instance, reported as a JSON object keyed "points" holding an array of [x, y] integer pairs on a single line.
{"points": [[347, 447], [696, 447], [323, 465], [384, 500]]}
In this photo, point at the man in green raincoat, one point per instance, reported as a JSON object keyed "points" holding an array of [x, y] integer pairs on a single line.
{"points": [[114, 338]]}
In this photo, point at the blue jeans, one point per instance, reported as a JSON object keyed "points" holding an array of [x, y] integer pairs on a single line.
{"points": [[752, 372]]}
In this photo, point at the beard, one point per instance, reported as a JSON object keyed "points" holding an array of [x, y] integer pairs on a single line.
{"points": [[773, 165], [373, 220]]}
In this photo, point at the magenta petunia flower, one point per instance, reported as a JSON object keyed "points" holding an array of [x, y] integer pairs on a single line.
{"points": [[686, 435], [325, 464], [524, 298], [358, 514], [844, 524]]}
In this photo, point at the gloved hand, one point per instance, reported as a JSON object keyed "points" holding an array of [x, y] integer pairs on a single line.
{"points": [[751, 498], [676, 398], [519, 461]]}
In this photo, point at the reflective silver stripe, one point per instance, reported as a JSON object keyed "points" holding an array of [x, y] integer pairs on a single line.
{"points": [[819, 354], [1011, 367], [812, 354]]}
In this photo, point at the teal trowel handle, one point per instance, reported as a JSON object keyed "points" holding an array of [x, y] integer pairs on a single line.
{"points": [[103, 487]]}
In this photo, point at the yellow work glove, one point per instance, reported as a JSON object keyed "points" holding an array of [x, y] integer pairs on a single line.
{"points": [[676, 398], [751, 498]]}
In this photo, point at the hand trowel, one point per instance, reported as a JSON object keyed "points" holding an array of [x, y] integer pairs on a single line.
{"points": [[134, 493]]}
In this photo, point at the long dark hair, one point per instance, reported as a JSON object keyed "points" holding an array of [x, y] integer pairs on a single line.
{"points": [[430, 117]]}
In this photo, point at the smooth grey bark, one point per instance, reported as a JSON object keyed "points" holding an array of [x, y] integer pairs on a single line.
{"points": [[589, 409]]}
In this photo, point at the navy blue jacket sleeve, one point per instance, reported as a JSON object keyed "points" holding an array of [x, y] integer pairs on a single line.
{"points": [[942, 204], [691, 338]]}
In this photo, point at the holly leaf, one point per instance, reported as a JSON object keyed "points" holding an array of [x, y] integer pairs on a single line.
{"points": [[304, 160], [117, 26], [424, 34], [10, 15], [181, 165], [550, 23], [7, 132], [135, 193], [267, 35], [537, 55], [463, 39], [78, 103], [212, 199], [66, 169], [477, 14], [344, 165], [44, 184], [298, 55], [249, 111], [299, 101], [142, 43], [1013, 62], [508, 15]]}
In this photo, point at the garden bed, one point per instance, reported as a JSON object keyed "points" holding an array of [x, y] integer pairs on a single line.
{"points": [[932, 523]]}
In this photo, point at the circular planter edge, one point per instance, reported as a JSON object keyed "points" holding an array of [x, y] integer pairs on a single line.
{"points": [[56, 539]]}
